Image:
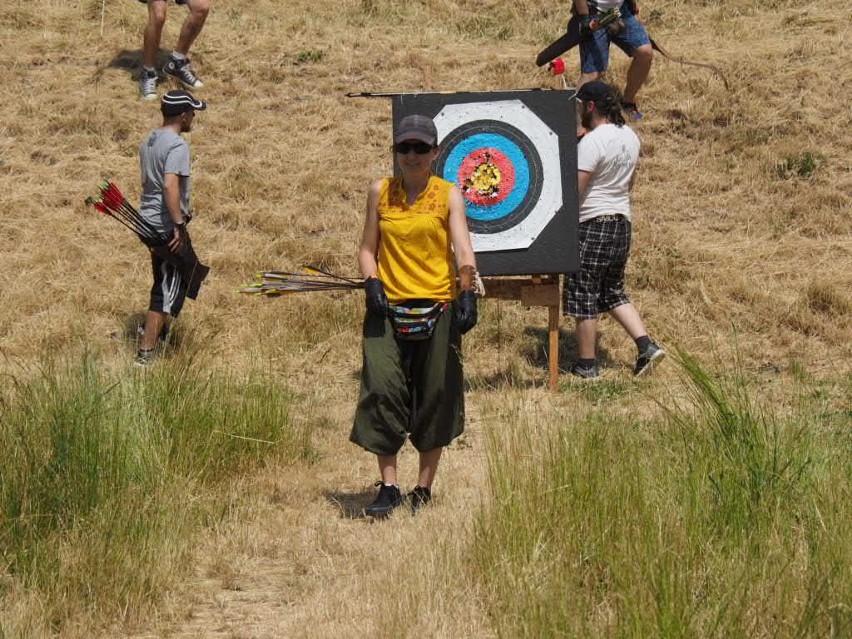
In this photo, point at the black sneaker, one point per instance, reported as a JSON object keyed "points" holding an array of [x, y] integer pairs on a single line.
{"points": [[648, 359], [181, 70], [586, 372], [419, 498], [388, 498]]}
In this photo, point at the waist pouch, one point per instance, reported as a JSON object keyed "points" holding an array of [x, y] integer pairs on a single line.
{"points": [[416, 319]]}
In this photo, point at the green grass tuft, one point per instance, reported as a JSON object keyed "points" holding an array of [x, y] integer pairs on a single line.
{"points": [[720, 518], [105, 479]]}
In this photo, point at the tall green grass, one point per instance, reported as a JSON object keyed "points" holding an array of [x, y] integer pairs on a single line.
{"points": [[105, 478], [720, 518]]}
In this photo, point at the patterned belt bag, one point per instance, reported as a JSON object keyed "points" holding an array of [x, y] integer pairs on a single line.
{"points": [[416, 319]]}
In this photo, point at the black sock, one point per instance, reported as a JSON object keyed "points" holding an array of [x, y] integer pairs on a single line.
{"points": [[642, 343], [588, 363]]}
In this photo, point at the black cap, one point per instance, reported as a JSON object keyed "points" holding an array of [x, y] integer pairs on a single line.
{"points": [[180, 101], [596, 91], [416, 127]]}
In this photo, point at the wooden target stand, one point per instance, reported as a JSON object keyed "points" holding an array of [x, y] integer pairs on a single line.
{"points": [[537, 290]]}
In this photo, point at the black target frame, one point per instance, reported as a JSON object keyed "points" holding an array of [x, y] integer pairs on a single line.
{"points": [[556, 248]]}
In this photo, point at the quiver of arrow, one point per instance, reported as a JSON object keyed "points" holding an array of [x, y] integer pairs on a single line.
{"points": [[188, 265]]}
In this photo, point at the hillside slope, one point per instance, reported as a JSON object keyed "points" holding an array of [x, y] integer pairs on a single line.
{"points": [[743, 239]]}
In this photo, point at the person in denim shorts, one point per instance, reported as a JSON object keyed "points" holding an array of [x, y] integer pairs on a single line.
{"points": [[606, 163], [627, 33], [177, 65]]}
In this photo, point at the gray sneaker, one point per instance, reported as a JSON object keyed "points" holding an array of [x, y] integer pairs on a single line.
{"points": [[181, 70], [648, 359], [586, 372], [148, 85], [145, 357]]}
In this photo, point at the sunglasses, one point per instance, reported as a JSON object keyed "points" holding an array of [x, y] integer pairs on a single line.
{"points": [[420, 148]]}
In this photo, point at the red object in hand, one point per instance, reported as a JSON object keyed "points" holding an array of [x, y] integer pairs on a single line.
{"points": [[557, 66]]}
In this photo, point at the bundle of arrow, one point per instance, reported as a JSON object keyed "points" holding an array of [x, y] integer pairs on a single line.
{"points": [[112, 202], [309, 279]]}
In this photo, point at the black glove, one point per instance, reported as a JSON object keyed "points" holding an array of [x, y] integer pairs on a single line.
{"points": [[466, 314], [585, 25], [377, 301]]}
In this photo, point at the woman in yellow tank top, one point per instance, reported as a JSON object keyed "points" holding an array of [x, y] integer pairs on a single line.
{"points": [[415, 238]]}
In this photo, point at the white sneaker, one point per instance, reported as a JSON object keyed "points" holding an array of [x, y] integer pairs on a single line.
{"points": [[148, 85]]}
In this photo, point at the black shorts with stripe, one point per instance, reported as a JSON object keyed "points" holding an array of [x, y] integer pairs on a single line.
{"points": [[598, 286], [168, 292]]}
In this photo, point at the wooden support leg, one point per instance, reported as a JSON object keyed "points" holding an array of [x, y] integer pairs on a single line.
{"points": [[539, 290], [553, 352]]}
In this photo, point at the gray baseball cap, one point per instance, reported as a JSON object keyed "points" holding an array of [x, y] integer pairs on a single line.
{"points": [[416, 127]]}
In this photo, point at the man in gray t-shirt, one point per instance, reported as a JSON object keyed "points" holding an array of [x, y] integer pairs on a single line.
{"points": [[163, 153], [164, 169]]}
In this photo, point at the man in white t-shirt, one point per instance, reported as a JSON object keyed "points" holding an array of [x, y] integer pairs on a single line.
{"points": [[606, 162]]}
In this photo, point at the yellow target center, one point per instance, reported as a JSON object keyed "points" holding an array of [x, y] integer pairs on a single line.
{"points": [[486, 178]]}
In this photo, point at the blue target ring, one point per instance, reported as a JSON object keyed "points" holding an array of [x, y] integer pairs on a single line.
{"points": [[470, 144], [515, 155]]}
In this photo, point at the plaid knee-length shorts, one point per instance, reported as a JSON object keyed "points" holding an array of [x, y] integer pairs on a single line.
{"points": [[598, 286]]}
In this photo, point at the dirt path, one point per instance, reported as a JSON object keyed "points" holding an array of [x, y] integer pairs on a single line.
{"points": [[297, 559]]}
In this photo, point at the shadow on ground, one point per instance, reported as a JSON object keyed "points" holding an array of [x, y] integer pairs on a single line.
{"points": [[350, 504], [130, 61], [131, 331], [537, 354]]}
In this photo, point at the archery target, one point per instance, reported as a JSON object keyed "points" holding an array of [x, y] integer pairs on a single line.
{"points": [[506, 162]]}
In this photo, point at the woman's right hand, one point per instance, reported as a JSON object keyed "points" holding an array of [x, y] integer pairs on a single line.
{"points": [[377, 301]]}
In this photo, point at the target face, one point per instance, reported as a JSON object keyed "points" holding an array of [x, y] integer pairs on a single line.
{"points": [[505, 161]]}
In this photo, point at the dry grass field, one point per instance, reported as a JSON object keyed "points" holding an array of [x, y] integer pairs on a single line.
{"points": [[742, 258]]}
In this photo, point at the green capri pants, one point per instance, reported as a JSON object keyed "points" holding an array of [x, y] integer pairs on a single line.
{"points": [[410, 388]]}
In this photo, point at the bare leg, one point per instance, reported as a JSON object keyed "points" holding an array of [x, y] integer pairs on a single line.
{"points": [[587, 332], [638, 71], [628, 317], [428, 467], [387, 469], [154, 322], [153, 32], [588, 77], [198, 10]]}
